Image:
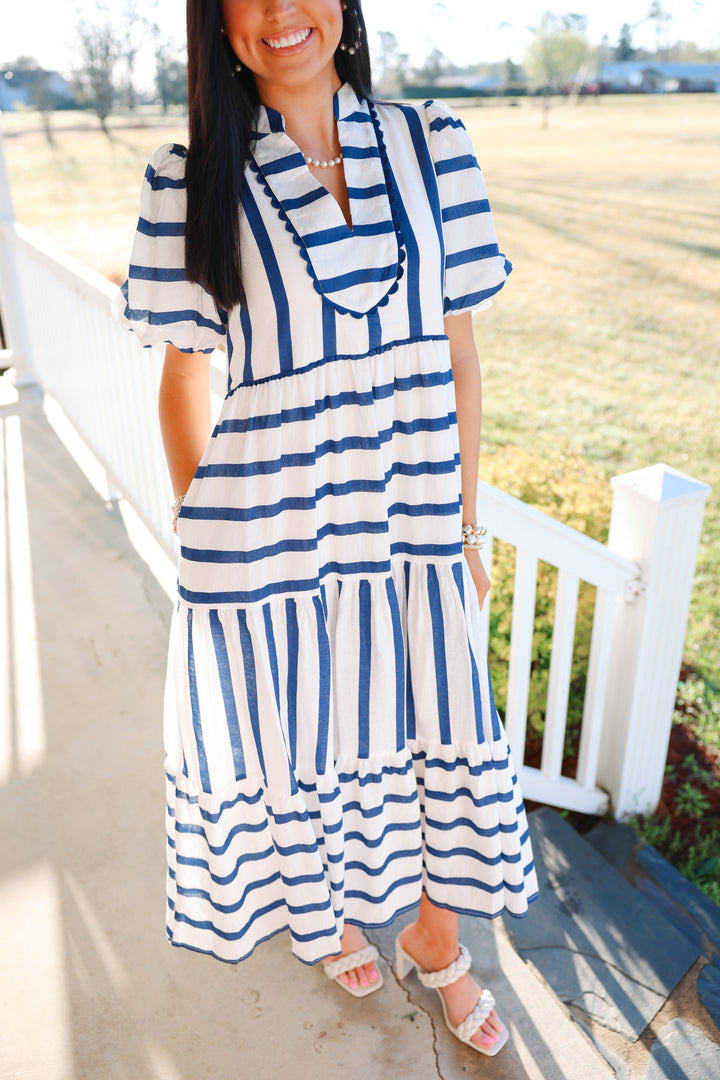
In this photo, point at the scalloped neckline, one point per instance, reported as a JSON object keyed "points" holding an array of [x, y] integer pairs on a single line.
{"points": [[372, 248]]}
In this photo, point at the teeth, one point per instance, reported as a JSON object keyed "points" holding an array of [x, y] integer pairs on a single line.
{"points": [[294, 38]]}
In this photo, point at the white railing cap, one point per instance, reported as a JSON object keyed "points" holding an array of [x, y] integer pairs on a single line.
{"points": [[79, 276], [528, 528], [662, 483]]}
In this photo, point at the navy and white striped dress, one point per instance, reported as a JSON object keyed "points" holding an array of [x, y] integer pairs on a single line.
{"points": [[332, 743]]}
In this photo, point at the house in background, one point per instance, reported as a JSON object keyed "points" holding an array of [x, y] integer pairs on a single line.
{"points": [[659, 77], [24, 88], [619, 77]]}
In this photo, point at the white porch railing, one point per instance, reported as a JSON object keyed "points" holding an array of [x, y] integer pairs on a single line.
{"points": [[643, 580], [56, 313], [57, 319]]}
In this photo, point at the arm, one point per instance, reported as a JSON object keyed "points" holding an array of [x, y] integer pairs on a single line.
{"points": [[184, 407], [468, 397]]}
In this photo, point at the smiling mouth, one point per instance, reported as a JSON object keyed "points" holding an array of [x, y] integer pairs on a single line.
{"points": [[287, 40]]}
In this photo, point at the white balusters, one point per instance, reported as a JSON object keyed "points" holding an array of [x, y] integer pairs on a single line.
{"points": [[561, 659], [596, 688], [521, 635]]}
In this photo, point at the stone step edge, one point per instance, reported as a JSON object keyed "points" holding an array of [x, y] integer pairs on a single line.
{"points": [[636, 861]]}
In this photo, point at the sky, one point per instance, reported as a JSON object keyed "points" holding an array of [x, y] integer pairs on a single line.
{"points": [[467, 31]]}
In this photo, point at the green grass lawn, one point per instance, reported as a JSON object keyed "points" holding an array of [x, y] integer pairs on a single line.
{"points": [[607, 334]]}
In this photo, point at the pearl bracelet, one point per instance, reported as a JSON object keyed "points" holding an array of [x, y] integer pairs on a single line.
{"points": [[175, 510], [474, 537]]}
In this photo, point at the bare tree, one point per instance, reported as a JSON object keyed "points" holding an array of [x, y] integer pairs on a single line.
{"points": [[45, 100], [100, 48], [434, 65], [662, 20], [388, 62], [558, 51], [170, 71], [134, 23]]}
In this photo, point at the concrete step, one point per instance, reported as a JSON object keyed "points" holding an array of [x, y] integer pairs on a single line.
{"points": [[545, 1043]]}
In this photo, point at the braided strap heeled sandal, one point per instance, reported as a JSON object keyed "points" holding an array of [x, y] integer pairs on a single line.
{"points": [[436, 980], [343, 964]]}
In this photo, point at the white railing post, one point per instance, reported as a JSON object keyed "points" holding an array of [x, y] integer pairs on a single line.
{"points": [[12, 306], [656, 520]]}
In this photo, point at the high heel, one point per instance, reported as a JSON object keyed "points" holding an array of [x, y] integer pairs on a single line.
{"points": [[436, 980], [404, 962]]}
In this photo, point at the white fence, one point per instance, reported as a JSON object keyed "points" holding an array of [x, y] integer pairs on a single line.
{"points": [[643, 581], [56, 316]]}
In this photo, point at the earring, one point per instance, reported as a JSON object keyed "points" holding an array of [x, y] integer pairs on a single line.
{"points": [[238, 68], [355, 34]]}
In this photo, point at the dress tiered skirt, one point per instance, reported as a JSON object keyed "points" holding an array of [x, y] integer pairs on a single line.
{"points": [[333, 748]]}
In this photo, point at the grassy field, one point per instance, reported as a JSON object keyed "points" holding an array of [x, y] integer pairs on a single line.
{"points": [[84, 193], [607, 336]]}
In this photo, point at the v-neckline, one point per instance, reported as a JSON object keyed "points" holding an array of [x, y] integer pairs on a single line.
{"points": [[328, 172], [354, 268]]}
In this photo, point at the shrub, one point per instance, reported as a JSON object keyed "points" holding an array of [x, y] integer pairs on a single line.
{"points": [[696, 856], [698, 705]]}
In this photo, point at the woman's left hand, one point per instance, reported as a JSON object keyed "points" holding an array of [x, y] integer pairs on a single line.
{"points": [[479, 574]]}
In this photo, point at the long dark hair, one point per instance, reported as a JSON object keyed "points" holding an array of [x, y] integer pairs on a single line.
{"points": [[222, 110]]}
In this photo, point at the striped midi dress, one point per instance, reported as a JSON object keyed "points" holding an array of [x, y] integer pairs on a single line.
{"points": [[332, 745]]}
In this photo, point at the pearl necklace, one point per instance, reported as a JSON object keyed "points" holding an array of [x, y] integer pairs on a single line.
{"points": [[310, 160]]}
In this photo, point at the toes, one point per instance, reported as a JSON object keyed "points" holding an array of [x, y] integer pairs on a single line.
{"points": [[485, 1036], [363, 976], [371, 974], [490, 1031], [494, 1022]]}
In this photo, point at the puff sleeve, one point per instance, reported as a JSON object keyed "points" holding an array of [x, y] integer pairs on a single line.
{"points": [[157, 301], [474, 267]]}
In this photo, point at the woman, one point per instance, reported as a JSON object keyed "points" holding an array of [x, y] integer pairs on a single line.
{"points": [[333, 752]]}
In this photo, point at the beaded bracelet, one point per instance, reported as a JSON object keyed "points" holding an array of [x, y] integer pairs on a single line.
{"points": [[175, 510], [474, 537]]}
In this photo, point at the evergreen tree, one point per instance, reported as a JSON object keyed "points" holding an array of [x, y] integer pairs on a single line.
{"points": [[625, 50]]}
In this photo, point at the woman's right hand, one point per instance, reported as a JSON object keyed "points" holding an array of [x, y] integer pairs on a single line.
{"points": [[479, 573]]}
